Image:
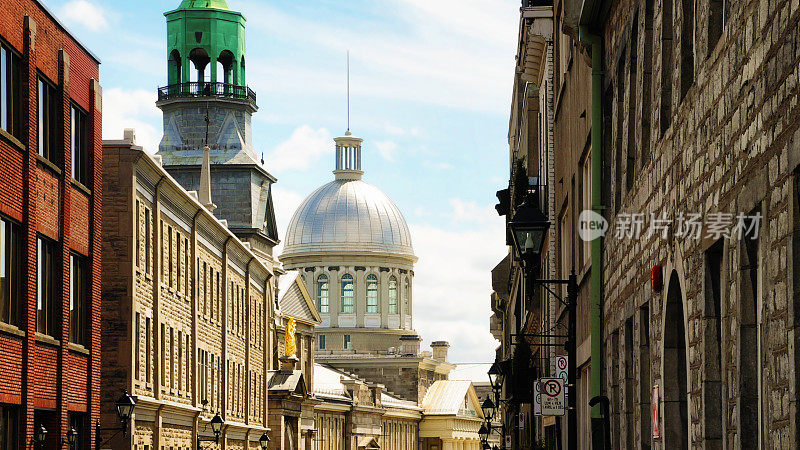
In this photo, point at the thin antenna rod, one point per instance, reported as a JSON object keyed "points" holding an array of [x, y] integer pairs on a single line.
{"points": [[348, 90]]}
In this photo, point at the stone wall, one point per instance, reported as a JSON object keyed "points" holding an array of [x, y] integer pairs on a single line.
{"points": [[722, 124]]}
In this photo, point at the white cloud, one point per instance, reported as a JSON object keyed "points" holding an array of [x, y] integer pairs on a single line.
{"points": [[132, 109], [471, 212], [303, 148], [434, 56], [452, 285], [286, 203], [86, 14], [386, 149]]}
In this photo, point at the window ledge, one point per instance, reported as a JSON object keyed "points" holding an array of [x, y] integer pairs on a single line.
{"points": [[8, 137], [49, 164], [78, 348], [45, 339], [11, 329], [81, 187]]}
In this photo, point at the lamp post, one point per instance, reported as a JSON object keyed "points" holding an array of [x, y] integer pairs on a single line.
{"points": [[125, 406], [529, 228]]}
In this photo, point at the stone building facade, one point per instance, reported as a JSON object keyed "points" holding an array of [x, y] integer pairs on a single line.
{"points": [[701, 107], [188, 311], [50, 230]]}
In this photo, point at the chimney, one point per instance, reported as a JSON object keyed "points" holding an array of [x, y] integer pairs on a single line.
{"points": [[205, 181], [129, 135], [440, 350]]}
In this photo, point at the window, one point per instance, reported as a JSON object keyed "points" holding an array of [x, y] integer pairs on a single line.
{"points": [[137, 349], [322, 342], [77, 422], [406, 289], [372, 294], [45, 277], [8, 428], [48, 121], [77, 299], [147, 240], [587, 202], [348, 345], [347, 294], [10, 272], [10, 91], [79, 144], [322, 294], [392, 295]]}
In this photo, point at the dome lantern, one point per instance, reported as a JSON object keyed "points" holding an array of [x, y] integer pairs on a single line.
{"points": [[348, 157]]}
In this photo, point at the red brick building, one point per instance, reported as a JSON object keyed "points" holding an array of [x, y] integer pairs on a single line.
{"points": [[50, 223]]}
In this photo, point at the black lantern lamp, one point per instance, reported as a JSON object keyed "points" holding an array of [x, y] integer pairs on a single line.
{"points": [[41, 435], [72, 436], [495, 376], [125, 406], [488, 408], [528, 229], [263, 441], [216, 425]]}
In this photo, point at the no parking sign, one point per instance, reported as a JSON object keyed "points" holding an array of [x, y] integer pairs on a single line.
{"points": [[561, 368], [553, 398]]}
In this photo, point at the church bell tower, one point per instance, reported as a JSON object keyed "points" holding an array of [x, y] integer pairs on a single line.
{"points": [[207, 103]]}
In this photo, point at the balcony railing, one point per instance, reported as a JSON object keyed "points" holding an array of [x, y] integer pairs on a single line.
{"points": [[197, 89], [532, 3]]}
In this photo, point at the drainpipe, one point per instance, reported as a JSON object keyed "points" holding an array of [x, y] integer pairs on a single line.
{"points": [[596, 312]]}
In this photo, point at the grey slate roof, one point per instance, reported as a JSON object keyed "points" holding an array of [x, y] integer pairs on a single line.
{"points": [[292, 300]]}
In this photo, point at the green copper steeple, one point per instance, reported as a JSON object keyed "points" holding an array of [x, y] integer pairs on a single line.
{"points": [[205, 42], [201, 4]]}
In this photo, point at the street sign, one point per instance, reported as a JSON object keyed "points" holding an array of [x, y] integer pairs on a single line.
{"points": [[655, 413], [537, 399], [508, 441], [561, 370], [521, 421], [553, 398], [561, 367]]}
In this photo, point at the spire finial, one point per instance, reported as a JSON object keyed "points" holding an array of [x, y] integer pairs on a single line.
{"points": [[348, 91]]}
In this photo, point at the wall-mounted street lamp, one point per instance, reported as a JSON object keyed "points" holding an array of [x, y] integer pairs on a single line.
{"points": [[125, 406], [488, 408], [496, 377], [41, 435], [263, 441], [216, 427], [72, 436], [529, 228]]}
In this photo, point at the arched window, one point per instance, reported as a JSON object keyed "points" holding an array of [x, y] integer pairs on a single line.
{"points": [[322, 294], [348, 294], [372, 293], [225, 67], [175, 67], [406, 307], [392, 295], [199, 57]]}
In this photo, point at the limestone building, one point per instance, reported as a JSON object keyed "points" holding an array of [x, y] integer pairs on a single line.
{"points": [[207, 102], [186, 311], [353, 248]]}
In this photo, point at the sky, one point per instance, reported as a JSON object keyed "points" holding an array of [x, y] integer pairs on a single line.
{"points": [[431, 84]]}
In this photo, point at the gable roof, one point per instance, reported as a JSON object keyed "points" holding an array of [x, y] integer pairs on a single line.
{"points": [[452, 398], [287, 381], [294, 300]]}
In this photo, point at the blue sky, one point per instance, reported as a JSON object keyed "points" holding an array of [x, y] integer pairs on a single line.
{"points": [[430, 93]]}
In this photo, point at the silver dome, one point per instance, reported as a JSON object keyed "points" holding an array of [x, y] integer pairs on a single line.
{"points": [[348, 216]]}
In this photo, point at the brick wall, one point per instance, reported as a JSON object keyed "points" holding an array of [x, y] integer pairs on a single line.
{"points": [[49, 372]]}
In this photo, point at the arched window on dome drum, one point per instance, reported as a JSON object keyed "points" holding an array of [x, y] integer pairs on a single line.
{"points": [[322, 294], [392, 295], [175, 67], [405, 297], [372, 293], [348, 294]]}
